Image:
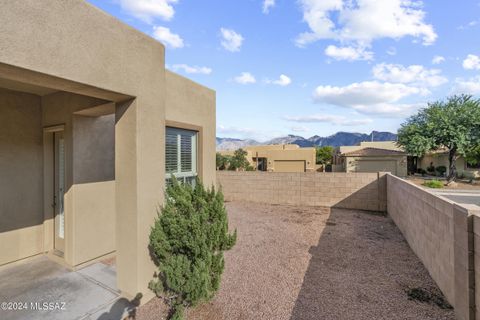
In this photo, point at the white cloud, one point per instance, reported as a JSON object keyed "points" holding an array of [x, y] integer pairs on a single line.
{"points": [[348, 53], [414, 74], [392, 51], [467, 86], [438, 59], [245, 78], [333, 119], [168, 38], [471, 62], [471, 24], [267, 4], [283, 81], [231, 40], [148, 10], [370, 97], [363, 21], [191, 69]]}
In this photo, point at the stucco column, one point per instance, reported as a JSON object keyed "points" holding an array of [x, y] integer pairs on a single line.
{"points": [[139, 176]]}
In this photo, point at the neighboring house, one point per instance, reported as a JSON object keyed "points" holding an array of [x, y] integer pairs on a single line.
{"points": [[280, 158], [383, 156], [440, 158], [91, 126], [388, 156]]}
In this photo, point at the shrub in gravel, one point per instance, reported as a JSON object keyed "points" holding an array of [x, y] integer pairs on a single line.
{"points": [[188, 240], [433, 184]]}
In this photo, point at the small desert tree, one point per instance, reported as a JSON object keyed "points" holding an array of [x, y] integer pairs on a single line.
{"points": [[239, 160], [222, 161], [453, 124], [324, 155], [188, 240]]}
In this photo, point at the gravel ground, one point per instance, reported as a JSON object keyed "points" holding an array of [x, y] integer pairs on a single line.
{"points": [[312, 263], [460, 185]]}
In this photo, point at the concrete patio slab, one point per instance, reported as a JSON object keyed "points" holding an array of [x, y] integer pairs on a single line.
{"points": [[89, 293], [102, 274]]}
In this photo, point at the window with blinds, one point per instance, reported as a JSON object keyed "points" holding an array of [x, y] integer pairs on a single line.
{"points": [[181, 155]]}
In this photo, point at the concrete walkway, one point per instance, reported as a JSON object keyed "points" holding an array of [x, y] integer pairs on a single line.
{"points": [[460, 196], [89, 293]]}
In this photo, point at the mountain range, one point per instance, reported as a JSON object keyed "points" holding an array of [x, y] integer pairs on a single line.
{"points": [[336, 140]]}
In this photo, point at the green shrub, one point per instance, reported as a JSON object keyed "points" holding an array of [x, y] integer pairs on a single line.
{"points": [[188, 240], [441, 170], [433, 184]]}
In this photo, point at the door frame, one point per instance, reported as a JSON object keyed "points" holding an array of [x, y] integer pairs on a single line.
{"points": [[49, 188]]}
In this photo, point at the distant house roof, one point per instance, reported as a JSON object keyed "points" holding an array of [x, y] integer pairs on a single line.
{"points": [[373, 152]]}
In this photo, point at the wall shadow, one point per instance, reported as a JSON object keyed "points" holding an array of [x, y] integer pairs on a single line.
{"points": [[371, 197], [361, 268]]}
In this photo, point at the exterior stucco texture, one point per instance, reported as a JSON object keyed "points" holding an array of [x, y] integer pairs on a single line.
{"points": [[106, 85]]}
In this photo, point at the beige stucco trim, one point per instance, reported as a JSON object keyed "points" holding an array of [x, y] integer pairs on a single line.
{"points": [[57, 128]]}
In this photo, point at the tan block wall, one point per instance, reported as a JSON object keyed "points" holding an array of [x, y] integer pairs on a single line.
{"points": [[426, 222], [441, 233], [364, 191], [476, 260]]}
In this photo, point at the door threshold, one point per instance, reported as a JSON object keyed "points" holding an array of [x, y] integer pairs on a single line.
{"points": [[58, 253]]}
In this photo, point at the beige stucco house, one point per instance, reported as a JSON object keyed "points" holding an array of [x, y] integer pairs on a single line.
{"points": [[280, 158], [440, 158], [91, 126], [381, 156]]}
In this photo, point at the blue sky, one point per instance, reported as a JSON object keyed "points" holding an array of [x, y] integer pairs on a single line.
{"points": [[311, 67]]}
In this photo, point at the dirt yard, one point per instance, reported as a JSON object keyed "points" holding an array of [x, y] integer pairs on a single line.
{"points": [[309, 263]]}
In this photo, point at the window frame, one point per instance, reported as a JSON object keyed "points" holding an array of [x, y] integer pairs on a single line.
{"points": [[183, 176]]}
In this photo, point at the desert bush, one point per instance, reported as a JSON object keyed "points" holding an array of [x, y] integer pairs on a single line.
{"points": [[188, 240], [433, 184], [441, 170]]}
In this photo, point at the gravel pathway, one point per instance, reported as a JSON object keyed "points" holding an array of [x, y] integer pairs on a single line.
{"points": [[312, 263]]}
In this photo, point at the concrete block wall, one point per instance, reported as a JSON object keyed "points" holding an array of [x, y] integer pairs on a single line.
{"points": [[441, 233], [476, 259], [363, 191]]}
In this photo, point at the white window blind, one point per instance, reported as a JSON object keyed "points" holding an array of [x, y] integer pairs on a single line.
{"points": [[181, 154]]}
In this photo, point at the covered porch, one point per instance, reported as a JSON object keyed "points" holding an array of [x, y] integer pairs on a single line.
{"points": [[60, 145]]}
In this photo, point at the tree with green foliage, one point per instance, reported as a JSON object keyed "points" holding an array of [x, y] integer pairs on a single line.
{"points": [[187, 241], [239, 161], [453, 124], [473, 156], [222, 161], [324, 155]]}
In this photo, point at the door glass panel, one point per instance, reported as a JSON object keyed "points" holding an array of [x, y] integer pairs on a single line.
{"points": [[61, 188]]}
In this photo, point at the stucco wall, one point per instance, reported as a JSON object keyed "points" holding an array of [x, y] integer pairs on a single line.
{"points": [[94, 187], [304, 154], [364, 191], [21, 172], [84, 50], [441, 159], [188, 103]]}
